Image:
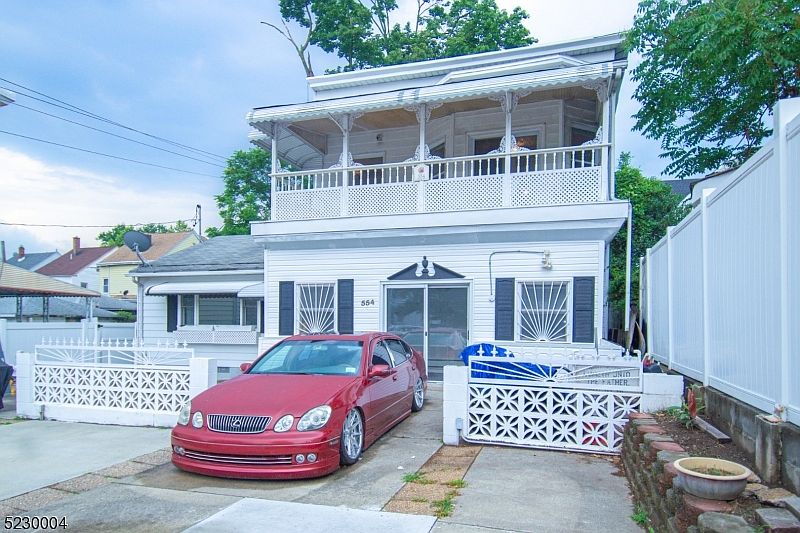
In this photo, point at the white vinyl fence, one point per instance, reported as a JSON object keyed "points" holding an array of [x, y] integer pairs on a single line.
{"points": [[722, 288]]}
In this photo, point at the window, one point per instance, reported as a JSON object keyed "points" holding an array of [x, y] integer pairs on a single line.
{"points": [[187, 310], [105, 285], [326, 357], [399, 351], [369, 176], [489, 144], [217, 310], [316, 309], [543, 312], [250, 312], [380, 355], [84, 285], [584, 158]]}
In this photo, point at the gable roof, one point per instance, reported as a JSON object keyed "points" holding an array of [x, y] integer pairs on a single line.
{"points": [[15, 281], [33, 260], [72, 263], [230, 252], [162, 244]]}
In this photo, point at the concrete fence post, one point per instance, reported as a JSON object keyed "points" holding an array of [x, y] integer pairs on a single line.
{"points": [[202, 375], [24, 376]]}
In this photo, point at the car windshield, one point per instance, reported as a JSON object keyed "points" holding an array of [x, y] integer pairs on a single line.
{"points": [[328, 357]]}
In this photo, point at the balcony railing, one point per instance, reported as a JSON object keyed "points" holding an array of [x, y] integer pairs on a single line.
{"points": [[560, 176]]}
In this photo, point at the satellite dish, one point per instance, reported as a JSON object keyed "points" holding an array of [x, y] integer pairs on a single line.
{"points": [[138, 242]]}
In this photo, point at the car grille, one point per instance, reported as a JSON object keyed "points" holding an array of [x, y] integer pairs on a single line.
{"points": [[239, 459], [237, 423]]}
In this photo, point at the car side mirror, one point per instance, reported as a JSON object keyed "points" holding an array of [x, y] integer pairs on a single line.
{"points": [[378, 371], [244, 367]]}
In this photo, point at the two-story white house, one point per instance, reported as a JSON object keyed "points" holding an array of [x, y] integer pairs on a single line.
{"points": [[450, 201]]}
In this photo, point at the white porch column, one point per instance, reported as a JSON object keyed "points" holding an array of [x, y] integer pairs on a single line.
{"points": [[275, 128], [345, 124], [508, 101]]}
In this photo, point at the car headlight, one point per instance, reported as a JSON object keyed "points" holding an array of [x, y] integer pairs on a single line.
{"points": [[284, 424], [197, 420], [185, 413], [315, 418]]}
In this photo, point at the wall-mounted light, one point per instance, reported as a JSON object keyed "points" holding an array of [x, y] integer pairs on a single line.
{"points": [[379, 137]]}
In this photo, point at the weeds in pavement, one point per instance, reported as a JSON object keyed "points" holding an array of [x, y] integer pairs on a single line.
{"points": [[417, 477], [456, 483], [445, 506]]}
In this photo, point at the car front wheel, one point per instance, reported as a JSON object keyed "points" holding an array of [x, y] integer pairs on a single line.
{"points": [[352, 441], [419, 396]]}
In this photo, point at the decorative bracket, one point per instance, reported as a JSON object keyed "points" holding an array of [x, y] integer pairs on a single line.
{"points": [[601, 87], [509, 99], [422, 111]]}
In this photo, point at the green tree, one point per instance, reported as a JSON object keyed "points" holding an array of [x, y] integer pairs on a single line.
{"points": [[655, 208], [246, 194], [363, 35], [711, 72], [114, 236]]}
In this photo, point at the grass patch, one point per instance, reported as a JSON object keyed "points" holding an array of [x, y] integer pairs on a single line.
{"points": [[419, 500], [640, 516], [456, 483], [417, 477], [445, 506]]}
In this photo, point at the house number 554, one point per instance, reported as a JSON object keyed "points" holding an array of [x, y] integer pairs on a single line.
{"points": [[366, 303]]}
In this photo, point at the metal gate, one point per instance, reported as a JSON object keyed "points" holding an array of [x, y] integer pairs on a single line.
{"points": [[566, 403]]}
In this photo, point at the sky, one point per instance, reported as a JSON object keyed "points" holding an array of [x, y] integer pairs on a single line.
{"points": [[183, 70]]}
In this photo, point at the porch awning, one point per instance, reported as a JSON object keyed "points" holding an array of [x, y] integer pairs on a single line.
{"points": [[200, 287], [253, 291]]}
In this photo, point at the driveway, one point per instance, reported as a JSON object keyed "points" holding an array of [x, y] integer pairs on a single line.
{"points": [[508, 489]]}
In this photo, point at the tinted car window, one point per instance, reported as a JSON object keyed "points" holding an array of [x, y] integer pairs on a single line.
{"points": [[330, 357], [399, 351], [380, 355]]}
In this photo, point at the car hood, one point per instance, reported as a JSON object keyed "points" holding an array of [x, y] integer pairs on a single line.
{"points": [[271, 394]]}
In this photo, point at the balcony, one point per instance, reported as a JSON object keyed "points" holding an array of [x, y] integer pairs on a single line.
{"points": [[561, 176]]}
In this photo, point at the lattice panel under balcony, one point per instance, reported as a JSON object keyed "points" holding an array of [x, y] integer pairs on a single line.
{"points": [[382, 199], [158, 390], [307, 204], [459, 194], [553, 187]]}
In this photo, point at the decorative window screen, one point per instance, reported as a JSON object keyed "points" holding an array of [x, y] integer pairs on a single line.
{"points": [[316, 308], [543, 311]]}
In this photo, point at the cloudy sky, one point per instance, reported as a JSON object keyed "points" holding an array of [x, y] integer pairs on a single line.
{"points": [[182, 70]]}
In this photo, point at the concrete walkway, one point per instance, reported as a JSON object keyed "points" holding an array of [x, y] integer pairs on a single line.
{"points": [[35, 454]]}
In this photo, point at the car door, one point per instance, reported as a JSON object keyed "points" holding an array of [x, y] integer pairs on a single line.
{"points": [[405, 374], [381, 389]]}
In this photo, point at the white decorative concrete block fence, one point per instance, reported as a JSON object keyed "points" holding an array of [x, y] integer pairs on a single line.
{"points": [[116, 382]]}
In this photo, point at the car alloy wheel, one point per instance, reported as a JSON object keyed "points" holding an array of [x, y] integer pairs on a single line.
{"points": [[352, 438], [419, 396]]}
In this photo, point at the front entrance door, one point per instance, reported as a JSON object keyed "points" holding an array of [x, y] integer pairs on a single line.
{"points": [[433, 318]]}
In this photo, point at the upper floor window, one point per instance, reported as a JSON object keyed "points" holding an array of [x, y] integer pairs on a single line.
{"points": [[105, 285], [368, 176], [497, 165]]}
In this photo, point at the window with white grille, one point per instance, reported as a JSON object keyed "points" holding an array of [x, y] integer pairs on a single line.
{"points": [[543, 311], [316, 308]]}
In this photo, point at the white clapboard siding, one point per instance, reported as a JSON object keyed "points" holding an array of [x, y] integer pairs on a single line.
{"points": [[371, 267]]}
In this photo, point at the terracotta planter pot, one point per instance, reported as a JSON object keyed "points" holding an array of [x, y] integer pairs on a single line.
{"points": [[710, 486]]}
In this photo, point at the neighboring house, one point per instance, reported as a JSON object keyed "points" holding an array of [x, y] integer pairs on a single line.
{"points": [[32, 261], [58, 310], [210, 296], [449, 201], [78, 266], [113, 271]]}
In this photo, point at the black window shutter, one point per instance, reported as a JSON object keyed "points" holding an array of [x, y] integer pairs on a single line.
{"points": [[263, 316], [286, 308], [583, 309], [504, 309], [344, 293], [172, 312]]}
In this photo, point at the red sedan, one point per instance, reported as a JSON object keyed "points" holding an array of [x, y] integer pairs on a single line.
{"points": [[306, 406]]}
